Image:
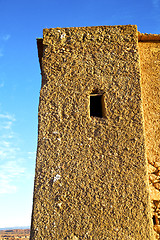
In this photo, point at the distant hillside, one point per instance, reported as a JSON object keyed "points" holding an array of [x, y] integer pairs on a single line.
{"points": [[14, 234]]}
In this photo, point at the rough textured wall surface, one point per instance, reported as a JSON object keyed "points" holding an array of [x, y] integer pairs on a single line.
{"points": [[150, 83], [91, 173]]}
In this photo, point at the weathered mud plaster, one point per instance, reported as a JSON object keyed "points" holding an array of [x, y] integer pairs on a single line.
{"points": [[91, 178], [149, 50]]}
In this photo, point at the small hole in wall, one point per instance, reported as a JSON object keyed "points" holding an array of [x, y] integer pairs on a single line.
{"points": [[97, 105]]}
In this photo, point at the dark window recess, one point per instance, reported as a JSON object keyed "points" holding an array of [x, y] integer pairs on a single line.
{"points": [[96, 105], [154, 220]]}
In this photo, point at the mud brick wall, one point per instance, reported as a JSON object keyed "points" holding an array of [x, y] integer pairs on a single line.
{"points": [[149, 51], [91, 177]]}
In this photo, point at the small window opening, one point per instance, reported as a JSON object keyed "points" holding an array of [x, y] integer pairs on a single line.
{"points": [[97, 105], [154, 220]]}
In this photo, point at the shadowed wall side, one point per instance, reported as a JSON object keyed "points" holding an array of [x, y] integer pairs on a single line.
{"points": [[149, 50]]}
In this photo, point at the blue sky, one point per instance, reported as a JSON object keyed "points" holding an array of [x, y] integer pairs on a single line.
{"points": [[21, 22]]}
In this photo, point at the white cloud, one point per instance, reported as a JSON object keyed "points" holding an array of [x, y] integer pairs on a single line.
{"points": [[7, 136], [10, 162], [1, 52], [6, 37], [7, 125], [6, 121], [8, 151], [6, 187], [9, 172], [7, 116], [8, 146], [4, 143], [13, 161], [31, 155], [1, 84]]}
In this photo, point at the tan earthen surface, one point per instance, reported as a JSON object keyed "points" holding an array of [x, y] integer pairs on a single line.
{"points": [[91, 177], [150, 84], [145, 37]]}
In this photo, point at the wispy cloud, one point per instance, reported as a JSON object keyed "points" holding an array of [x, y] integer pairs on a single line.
{"points": [[4, 143], [31, 155], [7, 136], [8, 125], [9, 172], [6, 187], [7, 150], [11, 168], [14, 167], [7, 116], [1, 52], [6, 37], [3, 39], [6, 121], [1, 84]]}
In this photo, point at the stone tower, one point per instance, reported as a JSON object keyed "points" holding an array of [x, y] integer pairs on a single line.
{"points": [[91, 179]]}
